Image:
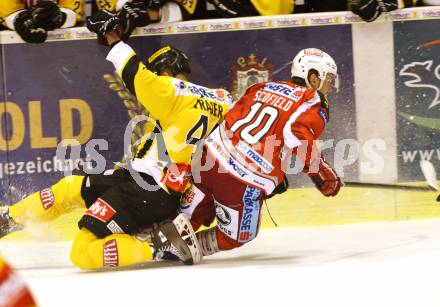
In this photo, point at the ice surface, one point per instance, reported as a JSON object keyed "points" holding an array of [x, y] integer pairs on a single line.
{"points": [[371, 264]]}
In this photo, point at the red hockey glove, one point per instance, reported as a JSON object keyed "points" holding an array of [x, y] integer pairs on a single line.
{"points": [[177, 176], [326, 180], [280, 188]]}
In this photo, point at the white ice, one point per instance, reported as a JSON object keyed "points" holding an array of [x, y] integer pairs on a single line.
{"points": [[371, 264]]}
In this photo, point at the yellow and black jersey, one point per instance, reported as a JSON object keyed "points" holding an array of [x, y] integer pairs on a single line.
{"points": [[171, 11], [185, 113], [273, 7], [9, 9], [110, 5]]}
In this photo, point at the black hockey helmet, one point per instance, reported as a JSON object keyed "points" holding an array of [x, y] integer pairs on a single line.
{"points": [[170, 58]]}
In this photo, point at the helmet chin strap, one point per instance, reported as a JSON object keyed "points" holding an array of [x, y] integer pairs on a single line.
{"points": [[308, 83]]}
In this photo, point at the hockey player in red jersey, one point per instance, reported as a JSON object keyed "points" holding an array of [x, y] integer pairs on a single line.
{"points": [[246, 158], [13, 290]]}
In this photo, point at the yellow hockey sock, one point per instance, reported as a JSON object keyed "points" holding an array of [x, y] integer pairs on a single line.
{"points": [[89, 252], [49, 203]]}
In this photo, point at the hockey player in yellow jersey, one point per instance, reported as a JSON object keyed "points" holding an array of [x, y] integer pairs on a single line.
{"points": [[117, 205], [161, 10], [31, 19], [243, 8]]}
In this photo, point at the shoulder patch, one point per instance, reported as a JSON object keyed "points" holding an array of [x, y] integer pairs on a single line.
{"points": [[323, 114], [180, 87]]}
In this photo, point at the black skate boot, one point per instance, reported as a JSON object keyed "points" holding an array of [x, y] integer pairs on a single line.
{"points": [[7, 225], [176, 241]]}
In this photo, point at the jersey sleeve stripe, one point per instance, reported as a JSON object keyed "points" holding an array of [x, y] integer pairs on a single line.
{"points": [[129, 72], [119, 55], [9, 21], [290, 139], [71, 18]]}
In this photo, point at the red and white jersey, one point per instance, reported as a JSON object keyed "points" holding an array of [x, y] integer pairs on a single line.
{"points": [[270, 121]]}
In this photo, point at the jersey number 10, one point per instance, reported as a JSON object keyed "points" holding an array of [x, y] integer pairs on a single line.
{"points": [[257, 123]]}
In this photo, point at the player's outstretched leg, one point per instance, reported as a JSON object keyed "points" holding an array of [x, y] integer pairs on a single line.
{"points": [[44, 205], [89, 252], [49, 203], [176, 239]]}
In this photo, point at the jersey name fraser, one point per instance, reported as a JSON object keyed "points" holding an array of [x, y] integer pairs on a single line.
{"points": [[209, 106]]}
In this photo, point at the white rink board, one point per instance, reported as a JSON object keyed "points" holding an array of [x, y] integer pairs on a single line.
{"points": [[370, 264]]}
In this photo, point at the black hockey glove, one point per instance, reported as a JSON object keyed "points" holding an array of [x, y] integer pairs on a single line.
{"points": [[27, 30], [370, 10], [227, 8], [104, 22], [47, 15], [279, 189], [134, 14]]}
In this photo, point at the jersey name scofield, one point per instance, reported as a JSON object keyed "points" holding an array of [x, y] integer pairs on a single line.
{"points": [[285, 90]]}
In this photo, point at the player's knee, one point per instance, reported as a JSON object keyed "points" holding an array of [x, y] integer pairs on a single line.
{"points": [[224, 242], [78, 257], [79, 254]]}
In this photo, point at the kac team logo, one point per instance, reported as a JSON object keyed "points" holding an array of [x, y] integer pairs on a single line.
{"points": [[247, 71], [423, 76]]}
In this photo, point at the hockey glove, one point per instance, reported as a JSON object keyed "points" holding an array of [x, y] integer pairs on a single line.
{"points": [[27, 30], [47, 15], [103, 23], [326, 180], [279, 189], [227, 8], [370, 10], [135, 15], [177, 176], [155, 4]]}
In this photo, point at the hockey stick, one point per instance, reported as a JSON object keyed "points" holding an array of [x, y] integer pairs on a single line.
{"points": [[388, 186], [134, 108], [428, 171]]}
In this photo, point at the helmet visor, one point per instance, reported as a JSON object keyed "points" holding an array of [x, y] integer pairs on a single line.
{"points": [[332, 81]]}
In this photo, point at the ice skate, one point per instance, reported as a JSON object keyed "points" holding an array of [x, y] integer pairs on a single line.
{"points": [[7, 225], [176, 241]]}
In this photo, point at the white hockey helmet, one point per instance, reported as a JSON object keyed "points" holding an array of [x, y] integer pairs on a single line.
{"points": [[312, 58]]}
